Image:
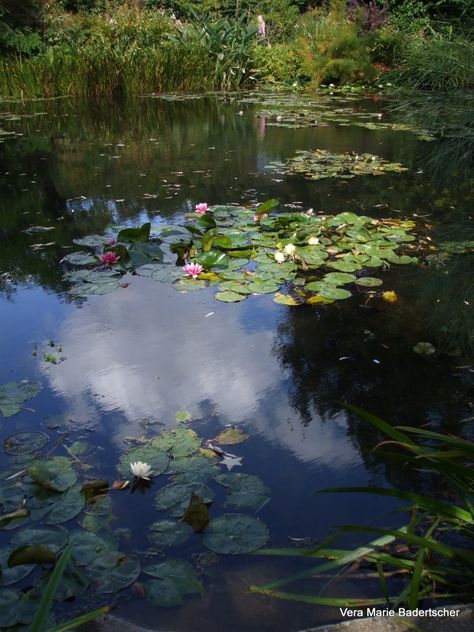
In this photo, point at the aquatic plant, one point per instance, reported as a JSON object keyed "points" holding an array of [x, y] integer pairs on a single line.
{"points": [[201, 207], [141, 470], [193, 269], [109, 258], [431, 555], [228, 248]]}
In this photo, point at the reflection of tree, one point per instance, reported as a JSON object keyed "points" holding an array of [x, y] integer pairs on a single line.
{"points": [[362, 354]]}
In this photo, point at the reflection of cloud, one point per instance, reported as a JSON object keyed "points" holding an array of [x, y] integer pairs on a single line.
{"points": [[147, 351]]}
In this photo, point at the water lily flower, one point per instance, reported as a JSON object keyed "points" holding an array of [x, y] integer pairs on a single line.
{"points": [[112, 242], [289, 249], [109, 258], [258, 218], [201, 208], [313, 241], [192, 269], [141, 470], [279, 257]]}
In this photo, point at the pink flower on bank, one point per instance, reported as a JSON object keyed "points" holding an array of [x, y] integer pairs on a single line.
{"points": [[258, 218], [201, 208], [192, 269], [109, 258], [112, 242]]}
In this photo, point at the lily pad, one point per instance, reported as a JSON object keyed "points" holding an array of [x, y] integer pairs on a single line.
{"points": [[94, 289], [175, 498], [232, 534], [14, 394], [153, 455], [339, 278], [183, 416], [334, 293], [193, 468], [168, 533], [80, 259], [174, 580], [54, 473], [22, 443], [369, 281], [86, 546], [244, 490], [67, 508], [53, 539], [286, 299], [162, 272], [16, 609], [9, 576], [424, 348], [231, 436], [189, 285], [113, 571], [178, 441], [228, 296]]}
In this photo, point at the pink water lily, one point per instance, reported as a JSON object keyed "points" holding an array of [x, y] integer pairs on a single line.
{"points": [[109, 258], [112, 242], [192, 269], [258, 218], [201, 208]]}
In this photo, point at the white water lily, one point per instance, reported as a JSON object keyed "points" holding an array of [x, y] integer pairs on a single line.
{"points": [[279, 257], [141, 470], [313, 241], [289, 249]]}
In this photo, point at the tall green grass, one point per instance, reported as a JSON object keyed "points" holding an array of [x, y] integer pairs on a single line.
{"points": [[429, 557]]}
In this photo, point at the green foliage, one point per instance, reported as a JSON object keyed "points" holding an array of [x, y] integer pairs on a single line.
{"points": [[278, 63], [410, 16], [331, 46], [432, 553], [439, 61], [388, 45]]}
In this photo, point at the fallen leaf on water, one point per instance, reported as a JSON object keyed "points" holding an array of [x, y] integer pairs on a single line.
{"points": [[197, 514], [231, 461], [119, 485]]}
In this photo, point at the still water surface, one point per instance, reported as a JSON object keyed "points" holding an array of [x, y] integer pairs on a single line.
{"points": [[279, 373]]}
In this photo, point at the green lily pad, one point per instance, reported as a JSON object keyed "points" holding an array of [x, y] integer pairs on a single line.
{"points": [[14, 394], [369, 281], [175, 497], [183, 416], [168, 533], [53, 539], [54, 473], [227, 296], [424, 348], [16, 609], [22, 443], [343, 265], [245, 491], [162, 272], [339, 278], [92, 241], [235, 533], [178, 441], [334, 293], [9, 576], [113, 571], [189, 285], [193, 468], [152, 455], [67, 508], [80, 259], [86, 546], [94, 289], [174, 580]]}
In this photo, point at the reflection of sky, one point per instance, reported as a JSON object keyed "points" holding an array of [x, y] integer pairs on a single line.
{"points": [[147, 351]]}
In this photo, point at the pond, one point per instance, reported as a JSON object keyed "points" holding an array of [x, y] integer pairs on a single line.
{"points": [[119, 369]]}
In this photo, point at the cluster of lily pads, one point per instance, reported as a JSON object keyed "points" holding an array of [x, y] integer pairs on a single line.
{"points": [[52, 495], [321, 163], [298, 257]]}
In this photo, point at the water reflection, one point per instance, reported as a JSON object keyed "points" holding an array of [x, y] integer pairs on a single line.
{"points": [[148, 350]]}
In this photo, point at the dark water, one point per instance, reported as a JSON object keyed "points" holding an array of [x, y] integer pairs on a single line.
{"points": [[279, 373]]}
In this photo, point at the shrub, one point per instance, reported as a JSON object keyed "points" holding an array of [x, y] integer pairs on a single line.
{"points": [[388, 45], [278, 63], [331, 47]]}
